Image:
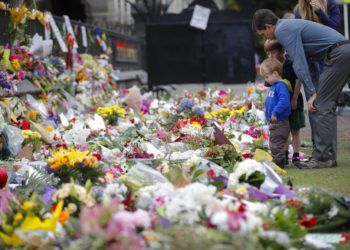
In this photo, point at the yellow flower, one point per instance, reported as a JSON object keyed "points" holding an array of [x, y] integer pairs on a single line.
{"points": [[44, 98], [27, 205], [19, 14], [196, 125], [241, 190], [32, 135], [208, 116], [239, 111], [16, 64], [71, 158], [106, 112], [49, 128], [6, 101], [18, 217], [12, 240], [81, 76], [32, 115]]}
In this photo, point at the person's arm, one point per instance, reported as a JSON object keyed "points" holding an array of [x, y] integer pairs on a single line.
{"points": [[283, 100], [332, 18], [291, 40], [296, 92], [297, 14]]}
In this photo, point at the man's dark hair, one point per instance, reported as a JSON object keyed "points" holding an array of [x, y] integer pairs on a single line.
{"points": [[262, 17]]}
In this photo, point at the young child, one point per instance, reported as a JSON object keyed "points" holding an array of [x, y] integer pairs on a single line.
{"points": [[277, 109], [297, 119]]}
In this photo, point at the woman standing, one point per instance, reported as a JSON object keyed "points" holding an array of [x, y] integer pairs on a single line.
{"points": [[325, 12]]}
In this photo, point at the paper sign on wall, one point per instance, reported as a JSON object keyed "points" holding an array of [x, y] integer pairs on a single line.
{"points": [[83, 36], [70, 29], [57, 34], [200, 17]]}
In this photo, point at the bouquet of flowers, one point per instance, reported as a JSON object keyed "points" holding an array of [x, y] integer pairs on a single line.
{"points": [[111, 113], [72, 163]]}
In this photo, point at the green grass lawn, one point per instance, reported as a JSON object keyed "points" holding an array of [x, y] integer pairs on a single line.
{"points": [[336, 180]]}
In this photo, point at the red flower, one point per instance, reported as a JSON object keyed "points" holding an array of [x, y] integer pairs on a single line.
{"points": [[3, 178], [129, 201], [241, 208], [294, 203], [211, 173], [181, 124], [98, 156], [53, 208], [247, 156], [25, 125], [308, 222], [73, 120]]}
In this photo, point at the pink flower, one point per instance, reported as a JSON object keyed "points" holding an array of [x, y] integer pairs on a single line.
{"points": [[162, 134], [21, 75], [222, 92]]}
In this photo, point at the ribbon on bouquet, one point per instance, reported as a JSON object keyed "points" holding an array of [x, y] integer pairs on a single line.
{"points": [[99, 41]]}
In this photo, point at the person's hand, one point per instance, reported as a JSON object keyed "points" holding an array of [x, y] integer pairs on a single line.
{"points": [[310, 103], [315, 4], [294, 103], [273, 118]]}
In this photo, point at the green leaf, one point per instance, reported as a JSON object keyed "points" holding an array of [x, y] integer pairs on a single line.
{"points": [[218, 184], [256, 179], [161, 211], [197, 173]]}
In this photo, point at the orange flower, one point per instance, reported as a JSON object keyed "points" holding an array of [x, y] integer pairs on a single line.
{"points": [[250, 90], [63, 217]]}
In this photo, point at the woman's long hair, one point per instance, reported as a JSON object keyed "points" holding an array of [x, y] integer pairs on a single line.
{"points": [[307, 12]]}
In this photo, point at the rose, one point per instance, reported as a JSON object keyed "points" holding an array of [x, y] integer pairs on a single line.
{"points": [[3, 178]]}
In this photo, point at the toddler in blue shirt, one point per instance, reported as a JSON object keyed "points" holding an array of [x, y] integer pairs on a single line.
{"points": [[277, 108]]}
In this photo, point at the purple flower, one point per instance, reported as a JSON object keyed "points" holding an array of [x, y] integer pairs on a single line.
{"points": [[186, 104], [222, 179], [165, 223], [49, 191]]}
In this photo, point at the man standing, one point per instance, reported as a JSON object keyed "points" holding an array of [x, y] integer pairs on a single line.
{"points": [[309, 41]]}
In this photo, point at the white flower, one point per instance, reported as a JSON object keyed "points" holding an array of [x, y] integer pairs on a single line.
{"points": [[333, 212], [281, 238], [246, 167], [220, 219], [115, 190]]}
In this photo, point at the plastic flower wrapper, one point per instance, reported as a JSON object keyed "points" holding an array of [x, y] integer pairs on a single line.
{"points": [[145, 175], [77, 135]]}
